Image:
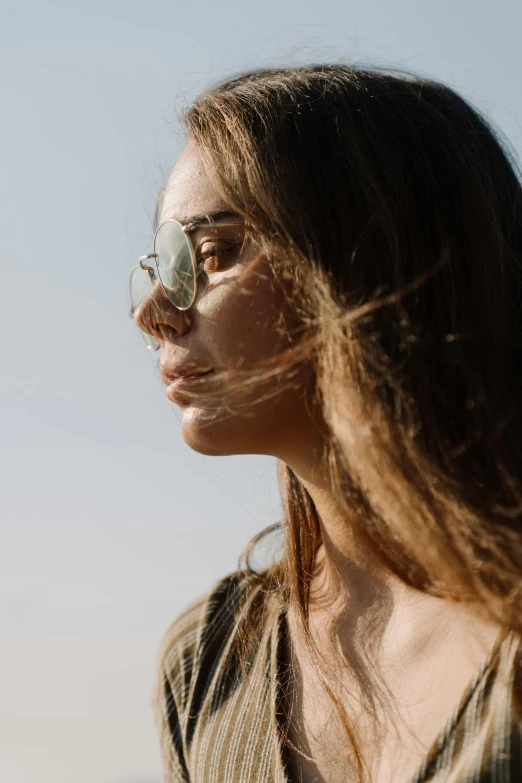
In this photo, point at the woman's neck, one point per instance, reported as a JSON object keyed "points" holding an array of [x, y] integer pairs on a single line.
{"points": [[364, 609]]}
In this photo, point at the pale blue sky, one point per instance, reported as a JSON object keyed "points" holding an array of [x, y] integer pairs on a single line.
{"points": [[110, 525]]}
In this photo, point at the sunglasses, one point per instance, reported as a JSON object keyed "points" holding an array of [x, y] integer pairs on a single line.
{"points": [[175, 267]]}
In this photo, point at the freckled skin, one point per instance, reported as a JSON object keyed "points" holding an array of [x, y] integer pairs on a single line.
{"points": [[233, 323]]}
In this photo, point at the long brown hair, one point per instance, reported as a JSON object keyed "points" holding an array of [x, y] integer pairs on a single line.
{"points": [[399, 210]]}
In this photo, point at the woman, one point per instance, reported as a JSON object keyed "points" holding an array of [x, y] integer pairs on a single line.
{"points": [[336, 281]]}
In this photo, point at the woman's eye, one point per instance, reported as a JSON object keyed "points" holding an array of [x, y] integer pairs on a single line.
{"points": [[212, 256]]}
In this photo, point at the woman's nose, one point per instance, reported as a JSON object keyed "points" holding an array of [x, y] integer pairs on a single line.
{"points": [[157, 316]]}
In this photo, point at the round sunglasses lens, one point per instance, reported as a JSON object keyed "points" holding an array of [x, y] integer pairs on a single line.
{"points": [[140, 288], [175, 266]]}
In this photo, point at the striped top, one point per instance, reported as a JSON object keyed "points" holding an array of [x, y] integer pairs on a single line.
{"points": [[216, 709]]}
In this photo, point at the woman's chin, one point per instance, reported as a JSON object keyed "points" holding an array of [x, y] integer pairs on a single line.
{"points": [[213, 433], [269, 426]]}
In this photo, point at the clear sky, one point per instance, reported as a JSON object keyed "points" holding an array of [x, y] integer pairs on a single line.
{"points": [[110, 524]]}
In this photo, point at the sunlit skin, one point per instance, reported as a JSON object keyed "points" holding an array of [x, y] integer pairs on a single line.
{"points": [[426, 649], [232, 324]]}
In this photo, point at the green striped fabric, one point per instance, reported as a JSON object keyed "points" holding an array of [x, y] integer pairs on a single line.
{"points": [[215, 706]]}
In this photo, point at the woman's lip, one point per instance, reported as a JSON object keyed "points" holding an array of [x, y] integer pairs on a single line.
{"points": [[176, 387]]}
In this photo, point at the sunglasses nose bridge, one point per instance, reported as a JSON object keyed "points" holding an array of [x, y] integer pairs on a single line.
{"points": [[144, 266]]}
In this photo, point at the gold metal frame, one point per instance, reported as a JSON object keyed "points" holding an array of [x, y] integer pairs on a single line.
{"points": [[187, 228]]}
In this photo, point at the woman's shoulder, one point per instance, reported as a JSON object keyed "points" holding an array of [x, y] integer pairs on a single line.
{"points": [[221, 619], [215, 681]]}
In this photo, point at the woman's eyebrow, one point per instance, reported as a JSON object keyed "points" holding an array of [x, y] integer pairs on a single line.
{"points": [[202, 217], [213, 217]]}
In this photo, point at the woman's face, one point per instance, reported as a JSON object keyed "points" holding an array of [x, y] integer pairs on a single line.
{"points": [[239, 318]]}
